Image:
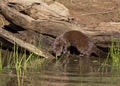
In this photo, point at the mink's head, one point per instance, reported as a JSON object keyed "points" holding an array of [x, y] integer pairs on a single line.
{"points": [[58, 48]]}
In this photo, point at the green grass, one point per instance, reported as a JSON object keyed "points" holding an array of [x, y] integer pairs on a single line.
{"points": [[113, 59], [115, 54], [18, 60]]}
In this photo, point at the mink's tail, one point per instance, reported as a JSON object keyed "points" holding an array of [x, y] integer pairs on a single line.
{"points": [[100, 53]]}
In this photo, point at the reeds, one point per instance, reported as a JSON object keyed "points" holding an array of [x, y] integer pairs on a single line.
{"points": [[112, 62], [18, 60], [114, 54]]}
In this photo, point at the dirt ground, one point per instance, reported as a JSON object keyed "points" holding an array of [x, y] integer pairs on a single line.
{"points": [[91, 12]]}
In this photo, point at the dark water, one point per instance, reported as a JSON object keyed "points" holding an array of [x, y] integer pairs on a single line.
{"points": [[69, 71]]}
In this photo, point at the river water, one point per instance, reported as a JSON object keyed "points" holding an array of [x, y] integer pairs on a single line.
{"points": [[69, 71]]}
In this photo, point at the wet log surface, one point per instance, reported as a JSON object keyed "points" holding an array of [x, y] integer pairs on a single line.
{"points": [[29, 31]]}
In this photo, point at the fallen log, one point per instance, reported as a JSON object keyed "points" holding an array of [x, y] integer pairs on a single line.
{"points": [[11, 38], [42, 26]]}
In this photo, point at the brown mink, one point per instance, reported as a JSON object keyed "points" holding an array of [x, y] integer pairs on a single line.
{"points": [[75, 41]]}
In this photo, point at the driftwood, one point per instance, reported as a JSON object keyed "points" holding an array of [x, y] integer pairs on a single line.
{"points": [[50, 24], [51, 27], [43, 26], [10, 37]]}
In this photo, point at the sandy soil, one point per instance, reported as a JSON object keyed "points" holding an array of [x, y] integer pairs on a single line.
{"points": [[91, 12]]}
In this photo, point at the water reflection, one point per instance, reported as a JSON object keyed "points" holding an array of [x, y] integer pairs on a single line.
{"points": [[67, 71]]}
